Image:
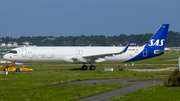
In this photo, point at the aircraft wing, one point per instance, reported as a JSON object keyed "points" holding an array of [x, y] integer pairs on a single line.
{"points": [[90, 58], [108, 54]]}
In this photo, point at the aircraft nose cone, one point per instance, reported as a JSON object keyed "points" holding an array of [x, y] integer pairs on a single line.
{"points": [[5, 57]]}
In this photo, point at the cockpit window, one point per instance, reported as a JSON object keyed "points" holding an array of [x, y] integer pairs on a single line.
{"points": [[13, 51]]}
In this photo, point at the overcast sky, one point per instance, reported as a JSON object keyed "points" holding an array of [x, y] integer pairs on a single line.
{"points": [[86, 17]]}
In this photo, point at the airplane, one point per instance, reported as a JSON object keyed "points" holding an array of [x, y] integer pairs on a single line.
{"points": [[91, 54]]}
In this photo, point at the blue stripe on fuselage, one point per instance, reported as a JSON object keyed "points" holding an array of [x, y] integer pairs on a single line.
{"points": [[150, 54]]}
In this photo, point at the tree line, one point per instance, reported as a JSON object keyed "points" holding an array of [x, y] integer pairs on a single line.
{"points": [[94, 40]]}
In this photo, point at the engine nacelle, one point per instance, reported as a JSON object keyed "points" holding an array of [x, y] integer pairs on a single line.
{"points": [[68, 59]]}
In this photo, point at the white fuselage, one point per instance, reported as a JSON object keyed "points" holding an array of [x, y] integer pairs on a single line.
{"points": [[65, 54]]}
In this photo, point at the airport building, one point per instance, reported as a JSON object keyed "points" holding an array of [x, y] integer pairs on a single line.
{"points": [[10, 44]]}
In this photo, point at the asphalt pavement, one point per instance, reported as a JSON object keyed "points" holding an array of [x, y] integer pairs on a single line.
{"points": [[133, 86], [154, 69], [2, 60]]}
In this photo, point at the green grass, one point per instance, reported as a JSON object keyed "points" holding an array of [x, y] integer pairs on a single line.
{"points": [[78, 67], [1, 56], [34, 85], [160, 93], [60, 67], [56, 93]]}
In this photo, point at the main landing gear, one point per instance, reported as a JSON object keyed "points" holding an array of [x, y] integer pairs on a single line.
{"points": [[85, 67]]}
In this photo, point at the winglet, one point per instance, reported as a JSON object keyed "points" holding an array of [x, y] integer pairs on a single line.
{"points": [[125, 49]]}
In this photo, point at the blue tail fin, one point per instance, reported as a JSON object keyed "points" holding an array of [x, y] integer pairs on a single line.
{"points": [[155, 46], [159, 38]]}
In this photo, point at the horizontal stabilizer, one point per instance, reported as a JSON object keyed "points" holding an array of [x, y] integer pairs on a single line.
{"points": [[167, 50]]}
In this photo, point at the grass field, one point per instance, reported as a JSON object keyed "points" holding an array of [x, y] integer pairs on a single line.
{"points": [[1, 56], [34, 85], [157, 93]]}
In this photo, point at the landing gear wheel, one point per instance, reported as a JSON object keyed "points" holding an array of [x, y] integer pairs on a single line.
{"points": [[17, 70], [92, 67], [84, 67]]}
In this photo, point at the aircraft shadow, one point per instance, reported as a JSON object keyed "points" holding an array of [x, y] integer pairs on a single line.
{"points": [[76, 69]]}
